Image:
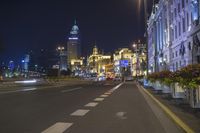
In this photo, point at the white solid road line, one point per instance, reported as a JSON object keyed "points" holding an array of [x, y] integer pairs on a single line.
{"points": [[7, 92], [29, 89], [69, 90], [59, 127], [104, 96], [21, 90], [113, 89], [98, 99], [80, 112], [92, 104]]}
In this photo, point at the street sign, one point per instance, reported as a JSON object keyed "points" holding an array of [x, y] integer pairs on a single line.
{"points": [[124, 63]]}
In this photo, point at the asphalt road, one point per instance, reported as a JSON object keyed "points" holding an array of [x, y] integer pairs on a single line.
{"points": [[87, 108]]}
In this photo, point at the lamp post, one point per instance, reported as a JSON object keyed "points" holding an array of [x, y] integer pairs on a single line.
{"points": [[60, 49], [136, 50], [140, 51], [146, 26]]}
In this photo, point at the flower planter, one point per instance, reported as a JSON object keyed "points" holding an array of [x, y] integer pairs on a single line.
{"points": [[193, 97], [157, 86], [177, 91], [166, 89], [150, 84]]}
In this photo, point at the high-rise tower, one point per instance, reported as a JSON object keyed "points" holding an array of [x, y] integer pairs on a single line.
{"points": [[73, 44]]}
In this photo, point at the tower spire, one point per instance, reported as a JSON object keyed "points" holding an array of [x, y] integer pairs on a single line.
{"points": [[75, 22]]}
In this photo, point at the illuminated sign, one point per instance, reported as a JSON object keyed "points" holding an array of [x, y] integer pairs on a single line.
{"points": [[73, 38], [124, 63]]}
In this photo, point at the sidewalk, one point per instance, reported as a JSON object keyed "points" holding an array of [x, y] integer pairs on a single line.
{"points": [[124, 111], [190, 116]]}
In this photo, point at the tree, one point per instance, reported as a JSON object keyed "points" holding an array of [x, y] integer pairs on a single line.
{"points": [[52, 72]]}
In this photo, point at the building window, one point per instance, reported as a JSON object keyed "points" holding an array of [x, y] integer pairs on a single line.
{"points": [[166, 59], [183, 24], [179, 7], [180, 63], [176, 65], [179, 30], [187, 20], [172, 31], [183, 3], [176, 53], [184, 62], [198, 59], [189, 45], [176, 32], [191, 17], [175, 13]]}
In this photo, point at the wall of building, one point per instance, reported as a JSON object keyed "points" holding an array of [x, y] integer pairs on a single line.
{"points": [[170, 34]]}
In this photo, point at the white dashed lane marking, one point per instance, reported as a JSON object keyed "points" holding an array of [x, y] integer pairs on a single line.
{"points": [[80, 112], [107, 93], [98, 99], [92, 104], [59, 127], [104, 96]]}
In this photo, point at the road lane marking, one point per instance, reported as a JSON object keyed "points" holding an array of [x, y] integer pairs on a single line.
{"points": [[116, 87], [98, 99], [107, 93], [7, 92], [121, 115], [173, 116], [59, 127], [113, 89], [29, 89], [104, 96], [21, 90], [92, 104], [69, 90], [80, 112]]}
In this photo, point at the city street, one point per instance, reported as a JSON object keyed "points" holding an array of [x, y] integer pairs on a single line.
{"points": [[83, 108]]}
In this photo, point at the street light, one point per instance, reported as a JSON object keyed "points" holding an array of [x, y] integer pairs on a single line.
{"points": [[61, 51], [60, 48], [136, 50], [146, 26], [134, 45]]}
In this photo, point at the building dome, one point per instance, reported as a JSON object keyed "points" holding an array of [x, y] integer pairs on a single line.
{"points": [[75, 29]]}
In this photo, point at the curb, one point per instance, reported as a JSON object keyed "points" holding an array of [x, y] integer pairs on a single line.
{"points": [[173, 116]]}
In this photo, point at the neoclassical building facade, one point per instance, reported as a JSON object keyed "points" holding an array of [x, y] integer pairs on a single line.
{"points": [[173, 35]]}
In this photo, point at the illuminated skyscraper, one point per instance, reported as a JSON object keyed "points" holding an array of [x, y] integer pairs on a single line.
{"points": [[73, 44]]}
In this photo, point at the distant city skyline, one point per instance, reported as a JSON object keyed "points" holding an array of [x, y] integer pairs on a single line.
{"points": [[34, 25]]}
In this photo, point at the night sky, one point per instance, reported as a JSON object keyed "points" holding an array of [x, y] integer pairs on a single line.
{"points": [[44, 24]]}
